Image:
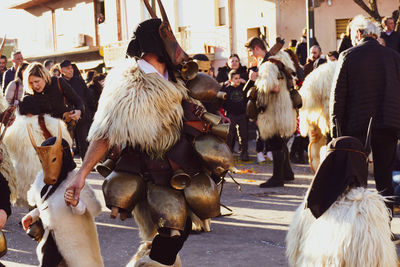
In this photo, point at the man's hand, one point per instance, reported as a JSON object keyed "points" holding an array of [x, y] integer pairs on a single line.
{"points": [[253, 75], [69, 198], [75, 114], [76, 186], [3, 218]]}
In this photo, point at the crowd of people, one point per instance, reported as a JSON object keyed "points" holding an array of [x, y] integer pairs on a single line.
{"points": [[141, 112]]}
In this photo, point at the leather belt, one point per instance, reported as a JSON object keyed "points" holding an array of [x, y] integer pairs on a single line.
{"points": [[201, 126]]}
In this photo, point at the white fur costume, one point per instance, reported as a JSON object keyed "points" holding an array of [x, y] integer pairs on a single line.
{"points": [[314, 115], [279, 116], [354, 231], [75, 235], [135, 111], [7, 167], [23, 155]]}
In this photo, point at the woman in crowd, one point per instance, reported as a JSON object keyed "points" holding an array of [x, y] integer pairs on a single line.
{"points": [[55, 71], [52, 94], [15, 88], [95, 88], [232, 64]]}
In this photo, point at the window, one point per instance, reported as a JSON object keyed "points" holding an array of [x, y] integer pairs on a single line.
{"points": [[221, 12], [341, 25]]}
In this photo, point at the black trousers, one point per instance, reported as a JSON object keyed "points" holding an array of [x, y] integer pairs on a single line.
{"points": [[383, 144], [51, 255], [239, 131], [81, 132], [281, 164]]}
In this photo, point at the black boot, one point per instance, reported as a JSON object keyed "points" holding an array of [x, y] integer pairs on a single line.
{"points": [[278, 172]]}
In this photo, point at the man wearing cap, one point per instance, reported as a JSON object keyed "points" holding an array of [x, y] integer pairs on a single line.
{"points": [[142, 109], [78, 84]]}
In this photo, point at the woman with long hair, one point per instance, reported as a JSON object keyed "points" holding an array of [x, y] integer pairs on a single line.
{"points": [[15, 89]]}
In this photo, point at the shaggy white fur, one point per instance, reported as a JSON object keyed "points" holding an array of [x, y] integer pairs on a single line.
{"points": [[279, 116], [354, 231], [6, 167], [315, 93], [135, 110], [75, 235], [22, 153], [142, 259]]}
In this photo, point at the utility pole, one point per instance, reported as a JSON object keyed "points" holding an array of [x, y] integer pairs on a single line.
{"points": [[310, 23]]}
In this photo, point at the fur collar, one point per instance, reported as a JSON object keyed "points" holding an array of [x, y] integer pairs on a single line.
{"points": [[139, 109]]}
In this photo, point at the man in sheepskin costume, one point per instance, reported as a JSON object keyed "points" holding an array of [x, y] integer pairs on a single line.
{"points": [[23, 155], [314, 115], [61, 215], [276, 118], [147, 111], [341, 222]]}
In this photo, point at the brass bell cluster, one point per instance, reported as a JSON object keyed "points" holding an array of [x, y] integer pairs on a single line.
{"points": [[217, 128], [188, 70]]}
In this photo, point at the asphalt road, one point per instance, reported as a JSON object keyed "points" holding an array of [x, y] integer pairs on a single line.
{"points": [[253, 235]]}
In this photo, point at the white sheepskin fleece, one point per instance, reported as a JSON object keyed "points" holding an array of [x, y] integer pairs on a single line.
{"points": [[22, 153], [279, 118], [315, 93], [354, 231], [75, 235], [139, 109]]}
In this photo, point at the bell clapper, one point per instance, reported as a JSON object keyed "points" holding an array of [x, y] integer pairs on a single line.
{"points": [[114, 212], [175, 233]]}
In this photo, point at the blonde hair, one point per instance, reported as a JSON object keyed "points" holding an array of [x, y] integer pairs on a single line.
{"points": [[38, 70]]}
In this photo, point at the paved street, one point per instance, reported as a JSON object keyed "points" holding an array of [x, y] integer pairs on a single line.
{"points": [[254, 235]]}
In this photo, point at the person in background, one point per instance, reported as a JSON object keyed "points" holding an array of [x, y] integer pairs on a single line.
{"points": [[301, 47], [89, 76], [55, 71], [345, 40], [15, 89], [333, 56], [9, 75], [235, 107], [232, 64], [73, 78], [316, 58], [391, 37], [48, 64], [292, 45], [3, 68], [95, 88]]}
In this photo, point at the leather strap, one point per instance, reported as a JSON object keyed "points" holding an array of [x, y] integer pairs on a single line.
{"points": [[201, 126], [42, 124]]}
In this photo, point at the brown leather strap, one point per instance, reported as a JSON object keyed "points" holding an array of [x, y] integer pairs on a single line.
{"points": [[42, 124], [15, 92], [201, 126]]}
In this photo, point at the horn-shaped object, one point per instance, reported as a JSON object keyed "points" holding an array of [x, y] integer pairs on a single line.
{"points": [[367, 147], [180, 179], [150, 9], [222, 95], [203, 87], [3, 244], [338, 130], [106, 168], [189, 70], [33, 142], [3, 43], [174, 50], [221, 130]]}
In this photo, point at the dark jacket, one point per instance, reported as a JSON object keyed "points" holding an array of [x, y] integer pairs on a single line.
{"points": [[8, 76], [223, 72], [345, 43], [4, 195], [95, 90], [51, 100], [392, 40], [367, 85], [80, 88]]}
